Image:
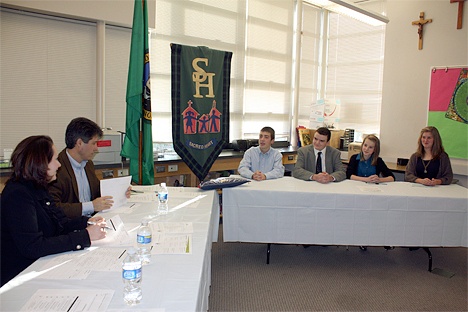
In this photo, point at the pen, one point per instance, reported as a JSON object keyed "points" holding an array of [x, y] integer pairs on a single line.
{"points": [[94, 223], [112, 224], [122, 253], [135, 191]]}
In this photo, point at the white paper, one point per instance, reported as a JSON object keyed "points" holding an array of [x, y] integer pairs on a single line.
{"points": [[370, 189], [143, 197], [172, 227], [146, 188], [116, 188], [172, 244], [69, 300], [118, 236], [80, 265]]}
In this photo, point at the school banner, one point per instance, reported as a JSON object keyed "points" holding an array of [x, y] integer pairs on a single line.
{"points": [[200, 105]]}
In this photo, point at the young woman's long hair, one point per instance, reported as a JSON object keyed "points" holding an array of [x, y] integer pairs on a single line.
{"points": [[437, 148], [30, 159], [376, 153]]}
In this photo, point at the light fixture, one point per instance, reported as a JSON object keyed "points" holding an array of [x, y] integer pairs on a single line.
{"points": [[352, 10]]}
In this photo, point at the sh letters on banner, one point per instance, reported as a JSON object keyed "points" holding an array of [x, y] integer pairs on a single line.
{"points": [[200, 105]]}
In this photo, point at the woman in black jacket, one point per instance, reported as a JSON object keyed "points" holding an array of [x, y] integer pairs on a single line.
{"points": [[31, 225], [367, 166]]}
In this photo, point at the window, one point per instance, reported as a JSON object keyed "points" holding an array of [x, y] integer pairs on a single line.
{"points": [[354, 71], [350, 70], [341, 58], [216, 24], [260, 35]]}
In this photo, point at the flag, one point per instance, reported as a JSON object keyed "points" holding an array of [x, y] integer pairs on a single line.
{"points": [[138, 143], [200, 82]]}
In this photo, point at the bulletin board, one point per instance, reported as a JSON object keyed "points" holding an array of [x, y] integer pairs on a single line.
{"points": [[448, 108]]}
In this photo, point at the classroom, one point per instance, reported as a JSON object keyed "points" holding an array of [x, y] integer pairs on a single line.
{"points": [[62, 59]]}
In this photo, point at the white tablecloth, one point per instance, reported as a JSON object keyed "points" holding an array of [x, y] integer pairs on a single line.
{"points": [[170, 282], [293, 211]]}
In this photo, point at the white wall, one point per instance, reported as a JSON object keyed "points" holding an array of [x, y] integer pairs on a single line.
{"points": [[115, 12], [407, 71]]}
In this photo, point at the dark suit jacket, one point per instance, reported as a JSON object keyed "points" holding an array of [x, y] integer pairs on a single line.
{"points": [[64, 190], [33, 227], [305, 164]]}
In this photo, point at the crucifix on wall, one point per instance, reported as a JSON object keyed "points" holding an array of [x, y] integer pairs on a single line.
{"points": [[421, 22], [460, 12]]}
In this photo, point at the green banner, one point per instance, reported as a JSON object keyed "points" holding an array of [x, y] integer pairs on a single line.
{"points": [[138, 117], [200, 105]]}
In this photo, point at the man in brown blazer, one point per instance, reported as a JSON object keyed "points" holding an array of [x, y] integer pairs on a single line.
{"points": [[77, 188]]}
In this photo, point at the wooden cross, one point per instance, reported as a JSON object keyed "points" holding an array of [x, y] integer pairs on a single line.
{"points": [[421, 22], [460, 12]]}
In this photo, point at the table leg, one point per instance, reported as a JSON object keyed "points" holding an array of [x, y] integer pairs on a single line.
{"points": [[268, 253], [429, 254]]}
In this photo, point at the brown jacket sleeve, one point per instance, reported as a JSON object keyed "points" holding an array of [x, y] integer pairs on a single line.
{"points": [[64, 190]]}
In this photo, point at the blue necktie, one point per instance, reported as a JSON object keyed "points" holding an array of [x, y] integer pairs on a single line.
{"points": [[318, 166]]}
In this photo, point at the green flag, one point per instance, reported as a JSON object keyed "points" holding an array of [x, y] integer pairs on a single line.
{"points": [[138, 122]]}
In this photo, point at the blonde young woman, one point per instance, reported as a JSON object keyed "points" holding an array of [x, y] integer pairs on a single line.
{"points": [[367, 166], [430, 165]]}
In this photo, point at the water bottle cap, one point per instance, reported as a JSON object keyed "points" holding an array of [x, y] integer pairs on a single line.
{"points": [[131, 251], [163, 184], [144, 222]]}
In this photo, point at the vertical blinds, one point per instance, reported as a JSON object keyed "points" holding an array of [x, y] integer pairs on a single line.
{"points": [[354, 71], [258, 32], [47, 74], [309, 62], [117, 50], [48, 67]]}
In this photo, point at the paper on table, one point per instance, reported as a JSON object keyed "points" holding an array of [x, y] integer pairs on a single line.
{"points": [[116, 188], [143, 197], [370, 189], [172, 244], [172, 227], [118, 236], [69, 300], [145, 188], [73, 266]]}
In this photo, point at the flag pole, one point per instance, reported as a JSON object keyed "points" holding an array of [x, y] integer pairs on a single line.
{"points": [[140, 155]]}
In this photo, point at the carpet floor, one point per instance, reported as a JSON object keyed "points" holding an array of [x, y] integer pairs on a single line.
{"points": [[335, 279]]}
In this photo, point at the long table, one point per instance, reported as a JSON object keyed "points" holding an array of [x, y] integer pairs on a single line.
{"points": [[292, 211], [170, 282]]}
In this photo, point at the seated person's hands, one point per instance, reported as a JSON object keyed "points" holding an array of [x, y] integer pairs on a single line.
{"points": [[322, 177], [96, 231], [97, 220], [128, 192], [429, 182], [373, 179], [258, 176], [102, 203]]}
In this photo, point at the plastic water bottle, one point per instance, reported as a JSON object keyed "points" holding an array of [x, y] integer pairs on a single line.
{"points": [[131, 276], [144, 236], [163, 198]]}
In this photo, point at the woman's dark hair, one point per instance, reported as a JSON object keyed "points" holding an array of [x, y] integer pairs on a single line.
{"points": [[30, 159]]}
